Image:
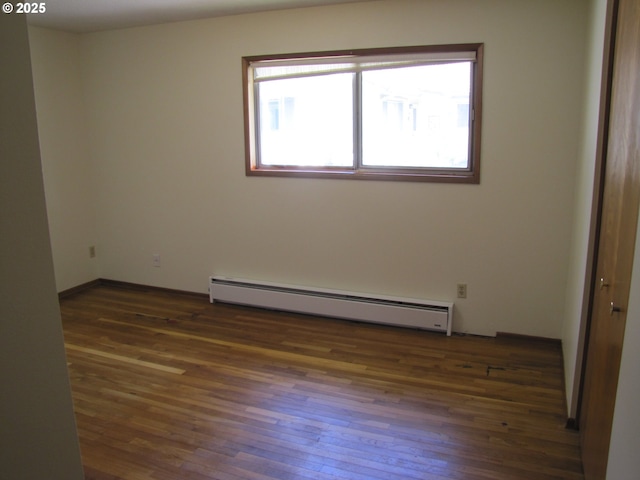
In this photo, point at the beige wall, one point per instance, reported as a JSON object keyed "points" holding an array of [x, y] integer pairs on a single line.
{"points": [[164, 111], [68, 173], [38, 437]]}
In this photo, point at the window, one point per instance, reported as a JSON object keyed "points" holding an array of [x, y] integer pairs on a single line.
{"points": [[409, 113]]}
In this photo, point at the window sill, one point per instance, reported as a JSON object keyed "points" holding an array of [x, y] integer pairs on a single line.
{"points": [[408, 175]]}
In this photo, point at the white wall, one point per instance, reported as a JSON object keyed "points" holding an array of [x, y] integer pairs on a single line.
{"points": [[38, 437], [164, 112], [68, 173], [580, 262]]}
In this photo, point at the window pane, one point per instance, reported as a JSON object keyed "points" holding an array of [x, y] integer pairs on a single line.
{"points": [[307, 121], [417, 116]]}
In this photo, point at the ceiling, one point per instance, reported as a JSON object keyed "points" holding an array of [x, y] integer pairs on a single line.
{"points": [[93, 15]]}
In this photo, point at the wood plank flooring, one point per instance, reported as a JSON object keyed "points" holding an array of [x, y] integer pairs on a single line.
{"points": [[169, 387]]}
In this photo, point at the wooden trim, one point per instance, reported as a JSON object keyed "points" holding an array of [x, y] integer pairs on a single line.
{"points": [[368, 174], [572, 424], [78, 288], [529, 338], [606, 87], [470, 175], [476, 101], [127, 286], [149, 288], [459, 47], [249, 114]]}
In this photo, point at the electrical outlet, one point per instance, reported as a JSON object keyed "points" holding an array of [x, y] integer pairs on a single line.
{"points": [[462, 290], [92, 251], [156, 259]]}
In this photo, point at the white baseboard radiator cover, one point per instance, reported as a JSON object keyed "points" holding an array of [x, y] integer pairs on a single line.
{"points": [[398, 311]]}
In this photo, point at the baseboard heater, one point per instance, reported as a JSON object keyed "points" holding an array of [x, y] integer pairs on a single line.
{"points": [[398, 311]]}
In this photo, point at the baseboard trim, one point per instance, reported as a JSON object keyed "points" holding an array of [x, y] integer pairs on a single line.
{"points": [[126, 286], [529, 338], [149, 288], [78, 288]]}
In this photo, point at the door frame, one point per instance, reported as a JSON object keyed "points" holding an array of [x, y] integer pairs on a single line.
{"points": [[608, 56]]}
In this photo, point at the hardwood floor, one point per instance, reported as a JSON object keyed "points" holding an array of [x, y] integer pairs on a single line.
{"points": [[170, 387]]}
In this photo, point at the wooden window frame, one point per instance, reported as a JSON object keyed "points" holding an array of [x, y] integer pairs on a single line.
{"points": [[469, 175]]}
